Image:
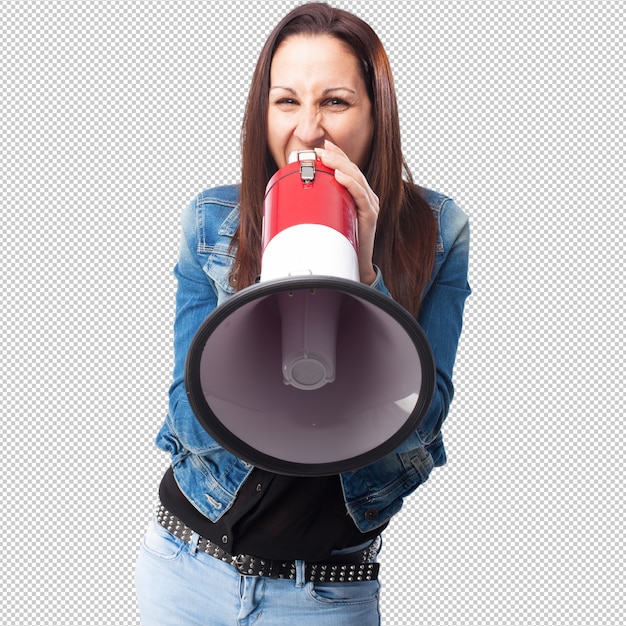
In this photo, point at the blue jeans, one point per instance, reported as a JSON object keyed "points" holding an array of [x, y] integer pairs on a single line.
{"points": [[177, 585]]}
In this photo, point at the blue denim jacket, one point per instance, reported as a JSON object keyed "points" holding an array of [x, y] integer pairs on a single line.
{"points": [[209, 475]]}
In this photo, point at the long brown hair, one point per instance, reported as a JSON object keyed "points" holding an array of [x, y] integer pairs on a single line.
{"points": [[406, 230]]}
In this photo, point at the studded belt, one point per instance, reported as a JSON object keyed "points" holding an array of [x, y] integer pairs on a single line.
{"points": [[352, 567]]}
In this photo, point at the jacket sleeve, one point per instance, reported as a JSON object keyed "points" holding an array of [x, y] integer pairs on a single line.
{"points": [[196, 298], [441, 314]]}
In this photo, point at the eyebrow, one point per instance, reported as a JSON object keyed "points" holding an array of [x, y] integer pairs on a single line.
{"points": [[324, 93]]}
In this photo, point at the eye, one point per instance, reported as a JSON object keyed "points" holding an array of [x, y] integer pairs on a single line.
{"points": [[286, 103], [337, 104]]}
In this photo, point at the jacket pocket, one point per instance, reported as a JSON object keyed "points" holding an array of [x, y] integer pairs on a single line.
{"points": [[218, 268]]}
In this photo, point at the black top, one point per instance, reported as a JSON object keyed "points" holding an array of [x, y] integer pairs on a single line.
{"points": [[275, 517]]}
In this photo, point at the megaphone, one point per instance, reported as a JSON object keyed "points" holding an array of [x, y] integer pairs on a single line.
{"points": [[308, 372]]}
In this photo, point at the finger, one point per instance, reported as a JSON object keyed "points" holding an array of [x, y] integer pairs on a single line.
{"points": [[334, 157], [358, 188]]}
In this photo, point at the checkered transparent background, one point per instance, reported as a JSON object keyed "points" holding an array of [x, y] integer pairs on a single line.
{"points": [[115, 114]]}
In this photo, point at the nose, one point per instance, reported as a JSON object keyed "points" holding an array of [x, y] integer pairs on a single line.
{"points": [[309, 130]]}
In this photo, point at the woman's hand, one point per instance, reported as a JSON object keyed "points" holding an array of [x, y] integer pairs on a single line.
{"points": [[350, 176]]}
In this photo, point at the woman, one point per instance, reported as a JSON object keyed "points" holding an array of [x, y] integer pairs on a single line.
{"points": [[322, 82]]}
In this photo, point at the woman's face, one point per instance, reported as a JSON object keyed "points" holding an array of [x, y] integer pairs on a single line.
{"points": [[317, 92]]}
